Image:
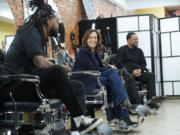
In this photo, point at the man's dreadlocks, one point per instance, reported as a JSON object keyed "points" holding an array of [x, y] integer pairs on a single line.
{"points": [[43, 12]]}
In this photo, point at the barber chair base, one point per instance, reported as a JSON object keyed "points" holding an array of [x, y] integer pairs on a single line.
{"points": [[56, 128], [143, 110], [117, 129], [104, 129]]}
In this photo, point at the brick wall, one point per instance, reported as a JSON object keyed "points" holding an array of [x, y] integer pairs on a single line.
{"points": [[72, 11]]}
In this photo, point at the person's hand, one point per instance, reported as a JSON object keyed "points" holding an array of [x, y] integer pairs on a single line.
{"points": [[113, 66], [67, 68]]}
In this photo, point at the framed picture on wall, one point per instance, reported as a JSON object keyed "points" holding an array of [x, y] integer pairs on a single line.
{"points": [[8, 39]]}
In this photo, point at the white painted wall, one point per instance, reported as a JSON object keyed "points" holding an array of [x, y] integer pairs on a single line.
{"points": [[140, 4]]}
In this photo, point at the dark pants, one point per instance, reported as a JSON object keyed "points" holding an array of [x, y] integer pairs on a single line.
{"points": [[132, 90], [54, 84], [148, 78]]}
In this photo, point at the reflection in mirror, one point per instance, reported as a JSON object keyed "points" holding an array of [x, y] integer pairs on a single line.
{"points": [[6, 26]]}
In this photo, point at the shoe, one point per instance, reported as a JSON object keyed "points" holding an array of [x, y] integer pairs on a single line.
{"points": [[128, 121], [125, 124], [122, 125], [153, 106], [157, 99], [88, 124], [133, 112], [127, 104]]}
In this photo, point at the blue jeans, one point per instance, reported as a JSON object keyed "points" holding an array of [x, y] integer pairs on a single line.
{"points": [[111, 79]]}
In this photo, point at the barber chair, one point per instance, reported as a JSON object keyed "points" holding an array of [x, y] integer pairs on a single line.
{"points": [[37, 117], [140, 110], [94, 98], [103, 98], [143, 92]]}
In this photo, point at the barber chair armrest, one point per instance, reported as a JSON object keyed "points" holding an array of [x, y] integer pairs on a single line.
{"points": [[22, 77], [18, 76], [89, 72]]}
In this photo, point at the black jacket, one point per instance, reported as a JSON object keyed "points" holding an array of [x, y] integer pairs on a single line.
{"points": [[130, 59], [86, 61]]}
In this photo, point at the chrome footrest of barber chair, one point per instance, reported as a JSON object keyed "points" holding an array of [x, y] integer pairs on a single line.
{"points": [[31, 113], [94, 97], [36, 118]]}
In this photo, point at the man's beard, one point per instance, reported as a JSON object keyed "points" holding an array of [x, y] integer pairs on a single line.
{"points": [[53, 32], [135, 45]]}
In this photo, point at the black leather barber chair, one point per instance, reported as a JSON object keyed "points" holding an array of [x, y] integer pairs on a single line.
{"points": [[38, 117], [96, 98]]}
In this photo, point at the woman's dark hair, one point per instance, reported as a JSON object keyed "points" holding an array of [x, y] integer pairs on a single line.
{"points": [[43, 12], [86, 36]]}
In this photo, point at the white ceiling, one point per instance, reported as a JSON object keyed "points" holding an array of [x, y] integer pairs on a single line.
{"points": [[140, 4], [6, 15]]}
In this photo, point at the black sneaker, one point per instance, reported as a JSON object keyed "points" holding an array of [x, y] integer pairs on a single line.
{"points": [[88, 124], [127, 104], [122, 125], [130, 123], [125, 124], [157, 99], [133, 112], [153, 106]]}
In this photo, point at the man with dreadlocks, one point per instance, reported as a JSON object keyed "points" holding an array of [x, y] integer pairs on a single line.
{"points": [[26, 55]]}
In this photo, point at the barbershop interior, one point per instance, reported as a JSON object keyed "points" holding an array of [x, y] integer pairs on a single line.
{"points": [[89, 67]]}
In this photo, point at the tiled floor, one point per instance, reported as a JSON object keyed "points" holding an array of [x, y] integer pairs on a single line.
{"points": [[165, 122]]}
